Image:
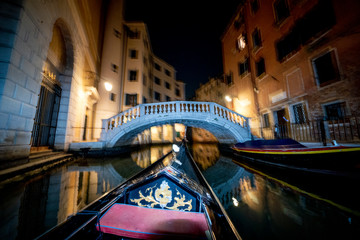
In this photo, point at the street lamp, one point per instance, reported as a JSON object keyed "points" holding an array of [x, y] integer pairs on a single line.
{"points": [[228, 98], [108, 86]]}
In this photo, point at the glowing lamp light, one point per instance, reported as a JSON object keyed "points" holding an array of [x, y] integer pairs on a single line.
{"points": [[108, 86], [235, 201], [175, 148], [228, 98]]}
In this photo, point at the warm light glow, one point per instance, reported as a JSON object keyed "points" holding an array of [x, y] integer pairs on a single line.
{"points": [[108, 86], [244, 102], [228, 98], [175, 148], [241, 42], [235, 201]]}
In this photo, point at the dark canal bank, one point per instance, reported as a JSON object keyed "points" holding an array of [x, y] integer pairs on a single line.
{"points": [[262, 205]]}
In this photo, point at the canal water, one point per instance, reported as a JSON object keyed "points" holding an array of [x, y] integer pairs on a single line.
{"points": [[261, 205]]}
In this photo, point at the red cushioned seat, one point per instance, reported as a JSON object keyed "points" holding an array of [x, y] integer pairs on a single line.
{"points": [[149, 223]]}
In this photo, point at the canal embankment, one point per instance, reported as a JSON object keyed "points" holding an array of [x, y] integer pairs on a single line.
{"points": [[36, 163]]}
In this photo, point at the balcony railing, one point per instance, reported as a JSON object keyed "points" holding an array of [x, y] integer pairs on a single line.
{"points": [[346, 130]]}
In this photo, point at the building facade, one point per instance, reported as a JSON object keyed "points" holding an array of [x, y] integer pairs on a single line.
{"points": [[65, 65], [215, 90], [50, 64], [292, 62]]}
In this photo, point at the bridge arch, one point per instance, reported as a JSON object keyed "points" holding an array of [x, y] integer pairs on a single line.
{"points": [[227, 126]]}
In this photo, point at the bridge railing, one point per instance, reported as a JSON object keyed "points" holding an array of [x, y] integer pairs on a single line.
{"points": [[145, 110]]}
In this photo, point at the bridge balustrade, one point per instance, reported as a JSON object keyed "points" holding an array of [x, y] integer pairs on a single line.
{"points": [[187, 112], [154, 109]]}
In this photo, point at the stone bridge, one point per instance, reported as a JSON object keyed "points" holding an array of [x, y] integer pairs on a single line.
{"points": [[226, 125]]}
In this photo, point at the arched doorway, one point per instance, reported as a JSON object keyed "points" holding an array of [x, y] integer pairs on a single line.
{"points": [[47, 112]]}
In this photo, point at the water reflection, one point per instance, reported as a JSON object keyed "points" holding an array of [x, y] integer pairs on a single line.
{"points": [[28, 209], [266, 208], [205, 154], [146, 156], [261, 207]]}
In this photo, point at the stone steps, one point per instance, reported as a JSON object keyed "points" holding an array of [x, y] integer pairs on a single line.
{"points": [[38, 162], [36, 156]]}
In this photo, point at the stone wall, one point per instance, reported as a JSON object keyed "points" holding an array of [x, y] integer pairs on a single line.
{"points": [[26, 31]]}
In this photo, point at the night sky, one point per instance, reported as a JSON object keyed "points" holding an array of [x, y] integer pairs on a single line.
{"points": [[186, 34]]}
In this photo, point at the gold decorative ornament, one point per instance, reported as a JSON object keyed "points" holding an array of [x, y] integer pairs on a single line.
{"points": [[163, 196]]}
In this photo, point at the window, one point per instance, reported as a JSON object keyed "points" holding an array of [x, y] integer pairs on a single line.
{"points": [[133, 53], [157, 96], [131, 99], [256, 37], [254, 6], [260, 67], [167, 72], [168, 99], [133, 75], [281, 10], [177, 92], [157, 66], [335, 111], [112, 97], [266, 122], [299, 113], [114, 68], [167, 85], [316, 22], [241, 42], [117, 33], [134, 34], [326, 70], [229, 78], [287, 46], [243, 67], [157, 81], [144, 100]]}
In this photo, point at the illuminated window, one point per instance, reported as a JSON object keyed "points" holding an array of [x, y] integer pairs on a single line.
{"points": [[241, 42]]}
